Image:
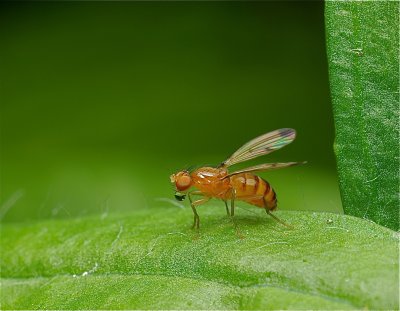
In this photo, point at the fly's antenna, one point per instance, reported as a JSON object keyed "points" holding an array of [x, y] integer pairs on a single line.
{"points": [[182, 169], [279, 220]]}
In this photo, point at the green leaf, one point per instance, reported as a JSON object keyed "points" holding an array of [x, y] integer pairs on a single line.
{"points": [[363, 53], [152, 259]]}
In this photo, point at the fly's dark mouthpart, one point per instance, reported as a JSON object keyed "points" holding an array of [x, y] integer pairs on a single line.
{"points": [[180, 197]]}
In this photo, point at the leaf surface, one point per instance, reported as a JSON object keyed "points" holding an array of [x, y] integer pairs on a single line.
{"points": [[151, 259]]}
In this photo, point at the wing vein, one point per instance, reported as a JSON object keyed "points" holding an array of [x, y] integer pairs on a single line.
{"points": [[262, 145]]}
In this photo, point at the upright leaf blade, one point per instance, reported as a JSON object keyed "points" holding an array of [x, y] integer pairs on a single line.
{"points": [[363, 53]]}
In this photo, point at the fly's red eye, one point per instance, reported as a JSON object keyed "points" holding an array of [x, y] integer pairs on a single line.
{"points": [[183, 182]]}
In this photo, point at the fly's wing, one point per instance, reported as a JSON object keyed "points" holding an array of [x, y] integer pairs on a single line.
{"points": [[265, 167], [261, 145]]}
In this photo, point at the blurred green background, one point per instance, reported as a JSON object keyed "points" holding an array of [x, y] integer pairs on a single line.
{"points": [[101, 102]]}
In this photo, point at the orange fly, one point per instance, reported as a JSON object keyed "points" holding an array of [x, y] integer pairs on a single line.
{"points": [[243, 185]]}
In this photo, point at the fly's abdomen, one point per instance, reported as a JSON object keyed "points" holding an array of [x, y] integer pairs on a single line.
{"points": [[270, 200], [254, 190]]}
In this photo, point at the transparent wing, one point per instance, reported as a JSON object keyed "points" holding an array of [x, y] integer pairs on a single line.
{"points": [[265, 167], [261, 145]]}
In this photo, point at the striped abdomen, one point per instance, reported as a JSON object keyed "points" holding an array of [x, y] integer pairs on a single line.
{"points": [[254, 190]]}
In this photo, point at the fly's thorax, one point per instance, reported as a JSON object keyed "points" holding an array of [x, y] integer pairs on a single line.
{"points": [[210, 180]]}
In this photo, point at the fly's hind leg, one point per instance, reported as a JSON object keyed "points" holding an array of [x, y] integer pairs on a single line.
{"points": [[194, 204], [265, 207], [276, 218]]}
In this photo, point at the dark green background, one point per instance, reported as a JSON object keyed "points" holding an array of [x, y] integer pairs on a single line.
{"points": [[101, 102]]}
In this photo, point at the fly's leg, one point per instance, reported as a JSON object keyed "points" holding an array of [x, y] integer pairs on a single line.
{"points": [[233, 197], [274, 217], [266, 208], [196, 222], [226, 197], [277, 219], [227, 208], [194, 204]]}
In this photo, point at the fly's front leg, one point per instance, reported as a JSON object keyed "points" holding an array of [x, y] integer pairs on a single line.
{"points": [[193, 204]]}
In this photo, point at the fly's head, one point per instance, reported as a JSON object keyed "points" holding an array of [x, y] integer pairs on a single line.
{"points": [[182, 182]]}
